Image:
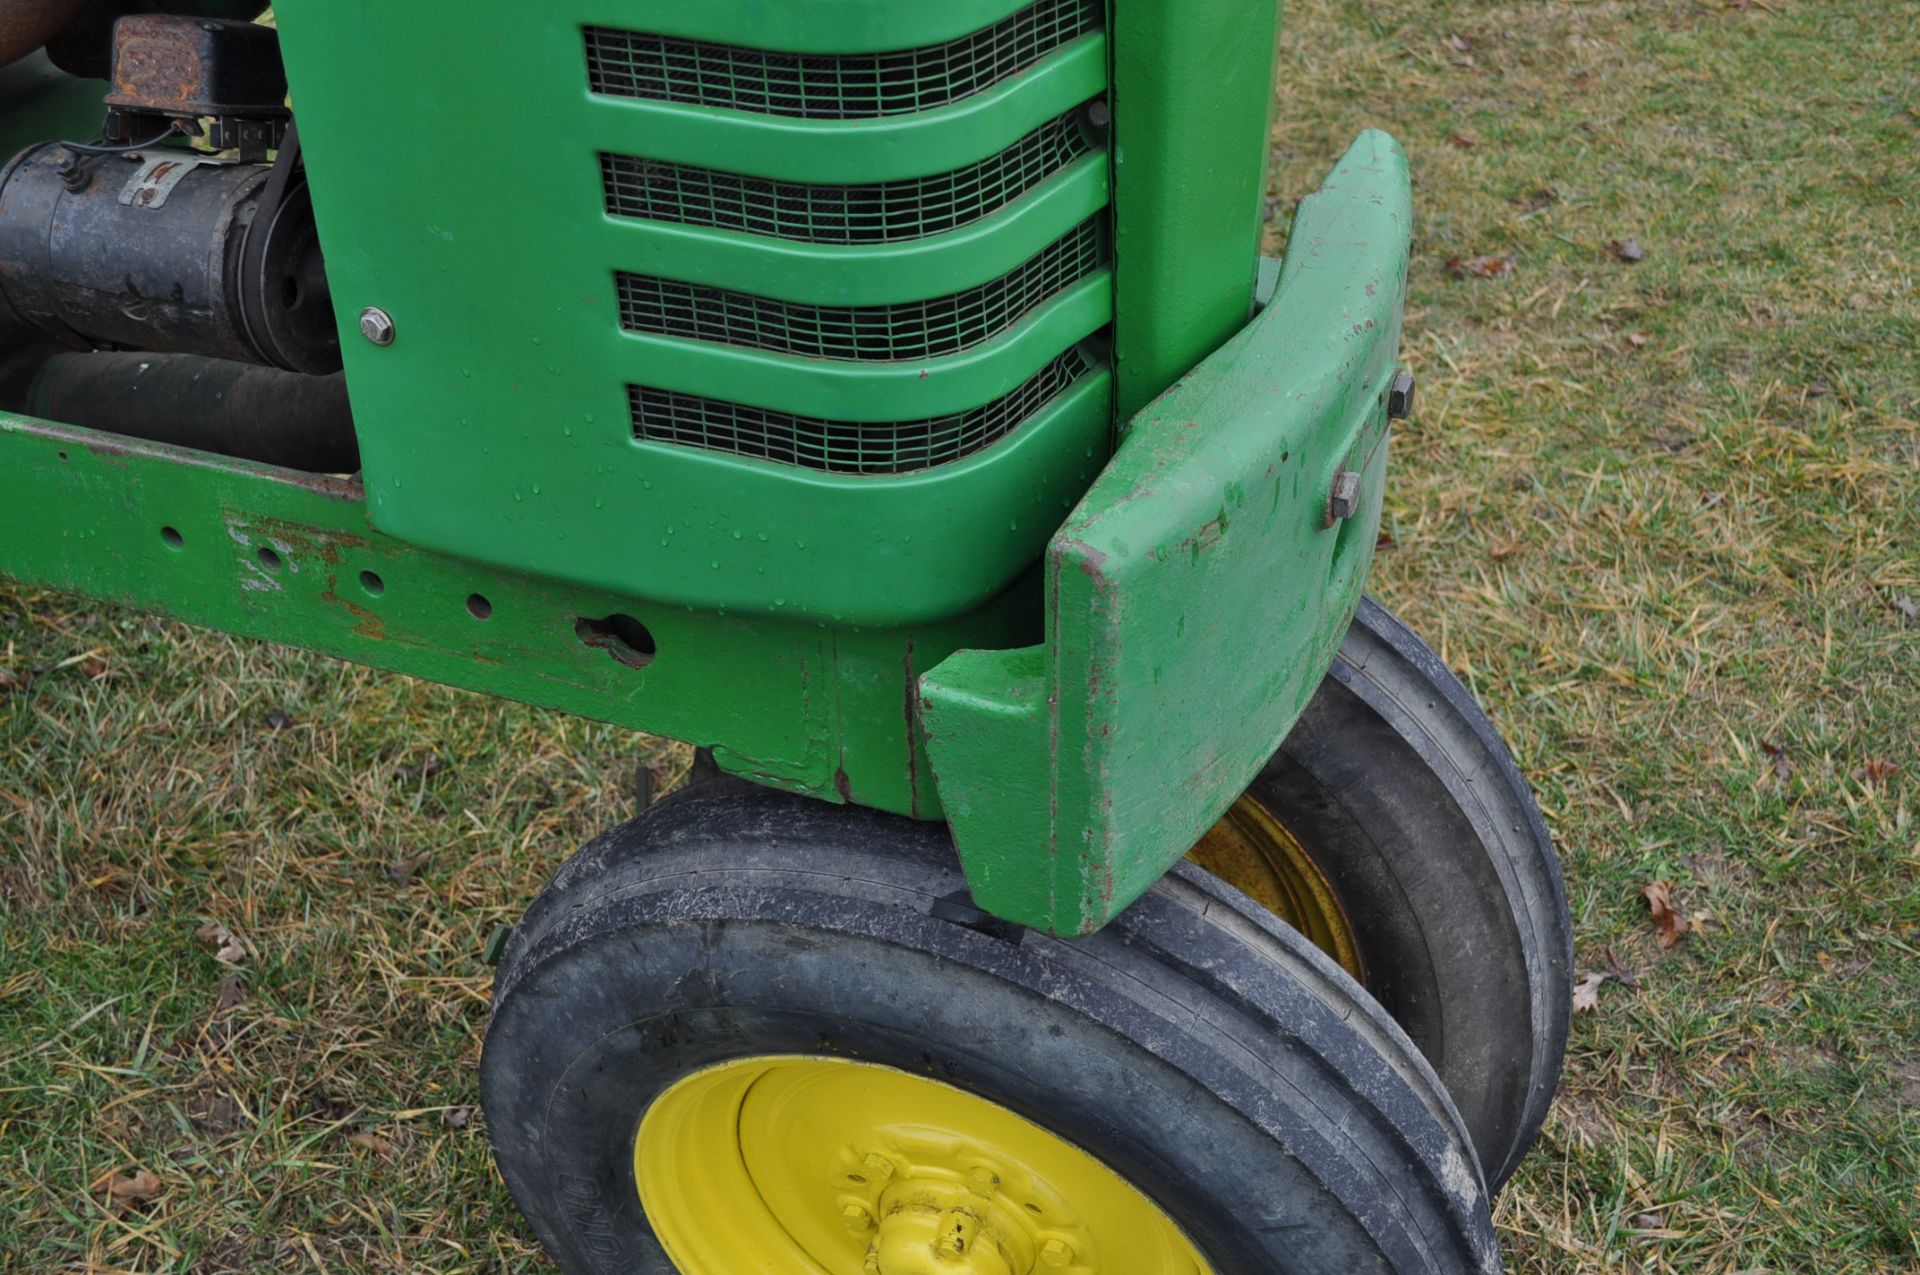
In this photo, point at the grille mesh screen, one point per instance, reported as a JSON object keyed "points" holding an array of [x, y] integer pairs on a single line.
{"points": [[908, 330], [873, 212], [845, 447], [831, 86]]}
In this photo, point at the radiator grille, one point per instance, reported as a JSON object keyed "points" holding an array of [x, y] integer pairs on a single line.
{"points": [[831, 86], [908, 330], [873, 212], [844, 447]]}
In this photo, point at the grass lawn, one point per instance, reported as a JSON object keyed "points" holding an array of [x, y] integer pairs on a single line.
{"points": [[1663, 515]]}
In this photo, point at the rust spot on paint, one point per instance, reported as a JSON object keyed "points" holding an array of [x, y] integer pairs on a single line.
{"points": [[306, 541], [367, 624], [842, 785]]}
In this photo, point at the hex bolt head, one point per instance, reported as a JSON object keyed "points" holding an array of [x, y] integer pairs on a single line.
{"points": [[1056, 1253], [878, 1167], [984, 1180], [74, 174], [376, 325], [1400, 397], [1344, 500], [856, 1217]]}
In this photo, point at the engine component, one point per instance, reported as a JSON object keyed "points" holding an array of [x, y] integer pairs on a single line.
{"points": [[167, 249], [213, 405], [85, 47], [170, 71]]}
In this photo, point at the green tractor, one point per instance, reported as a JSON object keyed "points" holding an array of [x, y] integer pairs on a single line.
{"points": [[890, 400]]}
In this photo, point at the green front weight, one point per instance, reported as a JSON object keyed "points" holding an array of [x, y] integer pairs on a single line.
{"points": [[1196, 596]]}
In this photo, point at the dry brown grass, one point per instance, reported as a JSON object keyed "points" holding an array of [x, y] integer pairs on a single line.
{"points": [[1659, 515]]}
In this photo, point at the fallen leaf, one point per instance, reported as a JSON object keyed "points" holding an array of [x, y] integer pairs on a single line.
{"points": [[216, 1113], [1875, 770], [1586, 992], [130, 1189], [458, 1117], [10, 681], [228, 950], [233, 994], [1458, 43], [1908, 608], [1489, 267], [1504, 550], [1628, 250], [1542, 199], [1620, 973], [1462, 141], [1782, 764], [279, 719], [402, 871], [372, 1142], [426, 769], [1669, 925], [1638, 340], [327, 1108], [1908, 1073], [94, 667]]}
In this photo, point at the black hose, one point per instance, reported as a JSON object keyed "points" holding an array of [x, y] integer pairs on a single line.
{"points": [[212, 405]]}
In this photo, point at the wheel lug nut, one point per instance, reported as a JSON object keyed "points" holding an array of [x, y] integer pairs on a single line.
{"points": [[878, 1167], [856, 1217], [984, 1179], [1056, 1253]]}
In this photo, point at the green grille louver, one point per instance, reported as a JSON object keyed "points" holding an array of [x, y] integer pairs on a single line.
{"points": [[845, 447], [662, 68], [812, 362], [908, 330], [870, 212]]}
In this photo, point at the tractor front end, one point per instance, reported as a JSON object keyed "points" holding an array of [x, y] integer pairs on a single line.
{"points": [[891, 400]]}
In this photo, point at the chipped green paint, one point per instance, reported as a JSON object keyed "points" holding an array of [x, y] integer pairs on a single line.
{"points": [[1196, 596], [266, 553]]}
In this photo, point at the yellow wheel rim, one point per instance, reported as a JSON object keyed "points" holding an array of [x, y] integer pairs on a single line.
{"points": [[814, 1166], [1254, 852]]}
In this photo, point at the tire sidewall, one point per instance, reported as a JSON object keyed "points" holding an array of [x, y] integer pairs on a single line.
{"points": [[657, 986]]}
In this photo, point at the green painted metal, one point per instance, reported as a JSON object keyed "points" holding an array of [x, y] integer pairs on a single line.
{"points": [[947, 262], [270, 554], [818, 26], [1098, 692], [498, 426], [830, 150], [848, 390], [1196, 596], [1192, 95]]}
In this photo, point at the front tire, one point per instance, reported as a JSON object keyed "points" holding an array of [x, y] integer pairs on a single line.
{"points": [[1231, 1076], [1394, 830]]}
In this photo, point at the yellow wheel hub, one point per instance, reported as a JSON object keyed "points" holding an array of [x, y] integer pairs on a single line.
{"points": [[1253, 852], [815, 1166]]}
